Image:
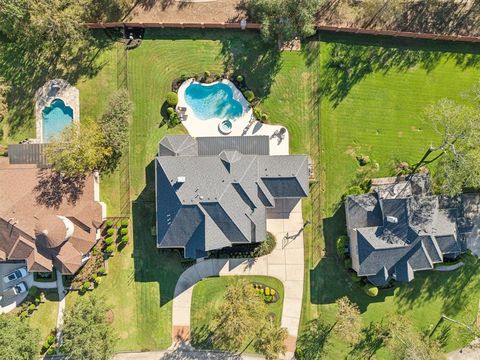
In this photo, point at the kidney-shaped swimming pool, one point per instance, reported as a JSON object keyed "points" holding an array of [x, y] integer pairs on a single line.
{"points": [[212, 101]]}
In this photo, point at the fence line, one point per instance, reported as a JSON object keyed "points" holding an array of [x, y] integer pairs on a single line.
{"points": [[257, 26], [124, 168]]}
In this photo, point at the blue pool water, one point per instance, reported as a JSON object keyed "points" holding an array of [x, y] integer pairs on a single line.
{"points": [[55, 118], [212, 101]]}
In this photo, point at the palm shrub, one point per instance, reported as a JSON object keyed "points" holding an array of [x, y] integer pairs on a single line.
{"points": [[109, 240], [123, 231], [124, 239], [110, 231], [124, 223], [109, 223]]}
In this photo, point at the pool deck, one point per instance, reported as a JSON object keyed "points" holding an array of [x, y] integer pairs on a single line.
{"points": [[55, 89], [245, 125]]}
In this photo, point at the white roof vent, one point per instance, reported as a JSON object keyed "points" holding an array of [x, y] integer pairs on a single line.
{"points": [[392, 219], [180, 179]]}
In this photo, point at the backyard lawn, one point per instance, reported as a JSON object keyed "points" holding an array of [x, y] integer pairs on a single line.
{"points": [[208, 296], [372, 99]]}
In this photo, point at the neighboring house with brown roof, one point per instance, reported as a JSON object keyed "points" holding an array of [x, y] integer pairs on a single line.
{"points": [[44, 221]]}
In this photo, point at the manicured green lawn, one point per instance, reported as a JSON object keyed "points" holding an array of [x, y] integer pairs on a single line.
{"points": [[208, 296], [45, 317], [141, 279], [374, 107]]}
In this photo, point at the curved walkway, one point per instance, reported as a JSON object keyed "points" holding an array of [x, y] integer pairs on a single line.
{"points": [[450, 267], [285, 263]]}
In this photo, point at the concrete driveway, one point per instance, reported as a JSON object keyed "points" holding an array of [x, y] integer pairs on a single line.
{"points": [[8, 304], [286, 263]]}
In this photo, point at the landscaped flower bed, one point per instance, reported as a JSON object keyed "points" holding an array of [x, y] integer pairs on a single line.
{"points": [[269, 294]]}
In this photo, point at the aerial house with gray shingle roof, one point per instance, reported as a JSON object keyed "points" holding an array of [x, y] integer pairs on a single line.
{"points": [[400, 228], [213, 192]]}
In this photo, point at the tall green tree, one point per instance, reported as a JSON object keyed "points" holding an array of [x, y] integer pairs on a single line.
{"points": [[242, 312], [18, 341], [457, 153], [86, 334], [270, 340], [316, 336], [78, 150], [114, 123], [406, 342], [348, 324], [284, 20]]}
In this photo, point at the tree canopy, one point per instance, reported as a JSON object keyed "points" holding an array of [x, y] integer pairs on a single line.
{"points": [[4, 88], [114, 123], [348, 322], [284, 19], [238, 317], [270, 340], [405, 342], [78, 150], [86, 334], [458, 150], [18, 340]]}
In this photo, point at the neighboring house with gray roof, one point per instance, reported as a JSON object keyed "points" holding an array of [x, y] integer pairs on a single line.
{"points": [[400, 228], [213, 192]]}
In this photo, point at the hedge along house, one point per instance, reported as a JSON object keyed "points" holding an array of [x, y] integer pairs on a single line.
{"points": [[400, 228], [213, 192], [45, 222]]}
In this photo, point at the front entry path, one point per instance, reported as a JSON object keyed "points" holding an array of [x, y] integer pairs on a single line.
{"points": [[285, 263]]}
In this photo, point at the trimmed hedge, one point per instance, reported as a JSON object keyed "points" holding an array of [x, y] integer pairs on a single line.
{"points": [[370, 290], [172, 98]]}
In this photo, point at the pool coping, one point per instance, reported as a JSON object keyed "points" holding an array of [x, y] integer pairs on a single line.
{"points": [[247, 110], [245, 125], [44, 97]]}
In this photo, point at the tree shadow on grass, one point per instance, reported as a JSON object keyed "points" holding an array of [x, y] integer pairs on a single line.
{"points": [[152, 264], [372, 339], [27, 66], [241, 53], [458, 290], [350, 59], [257, 61]]}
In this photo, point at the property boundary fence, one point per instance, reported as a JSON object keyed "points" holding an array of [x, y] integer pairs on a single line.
{"points": [[257, 26], [122, 83]]}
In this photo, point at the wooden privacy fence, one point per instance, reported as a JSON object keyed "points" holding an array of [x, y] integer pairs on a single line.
{"points": [[257, 26]]}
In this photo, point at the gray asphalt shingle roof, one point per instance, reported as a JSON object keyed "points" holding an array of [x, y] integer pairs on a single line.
{"points": [[401, 235], [213, 192]]}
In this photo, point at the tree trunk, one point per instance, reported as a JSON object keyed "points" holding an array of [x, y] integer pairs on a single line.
{"points": [[425, 156]]}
